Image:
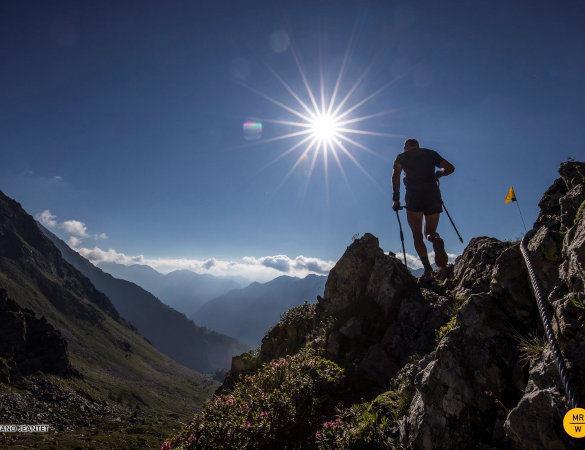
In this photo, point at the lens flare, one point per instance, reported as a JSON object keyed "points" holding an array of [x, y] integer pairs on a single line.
{"points": [[252, 130]]}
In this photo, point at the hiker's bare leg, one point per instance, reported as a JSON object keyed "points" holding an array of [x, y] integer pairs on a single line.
{"points": [[431, 223], [415, 220]]}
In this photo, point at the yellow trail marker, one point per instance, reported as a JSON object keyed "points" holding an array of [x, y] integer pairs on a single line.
{"points": [[511, 197], [574, 423]]}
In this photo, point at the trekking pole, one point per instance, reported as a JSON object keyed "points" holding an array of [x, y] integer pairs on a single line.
{"points": [[401, 237], [452, 223], [449, 215]]}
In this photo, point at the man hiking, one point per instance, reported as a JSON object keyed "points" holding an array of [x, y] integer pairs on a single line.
{"points": [[423, 197]]}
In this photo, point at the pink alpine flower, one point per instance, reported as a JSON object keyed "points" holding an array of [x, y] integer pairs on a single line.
{"points": [[230, 432], [165, 446], [192, 437], [317, 435], [264, 414], [248, 424], [229, 402], [246, 406]]}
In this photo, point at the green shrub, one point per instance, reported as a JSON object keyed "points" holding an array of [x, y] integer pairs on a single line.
{"points": [[298, 315], [278, 406], [364, 426], [531, 346], [577, 302], [579, 212], [454, 307], [446, 328]]}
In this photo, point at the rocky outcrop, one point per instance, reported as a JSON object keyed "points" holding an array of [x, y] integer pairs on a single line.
{"points": [[469, 351], [377, 311], [29, 344], [485, 385]]}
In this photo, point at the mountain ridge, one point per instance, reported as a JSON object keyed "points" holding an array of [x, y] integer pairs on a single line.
{"points": [[248, 313], [183, 290], [168, 329]]}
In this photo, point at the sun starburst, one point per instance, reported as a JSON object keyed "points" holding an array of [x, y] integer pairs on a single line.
{"points": [[324, 127]]}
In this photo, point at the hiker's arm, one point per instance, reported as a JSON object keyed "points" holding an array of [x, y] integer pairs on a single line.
{"points": [[396, 186], [396, 177], [447, 167]]}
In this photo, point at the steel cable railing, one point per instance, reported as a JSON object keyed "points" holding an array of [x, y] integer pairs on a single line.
{"points": [[550, 336]]}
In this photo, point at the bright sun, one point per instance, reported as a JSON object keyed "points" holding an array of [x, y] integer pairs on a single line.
{"points": [[324, 128], [324, 123]]}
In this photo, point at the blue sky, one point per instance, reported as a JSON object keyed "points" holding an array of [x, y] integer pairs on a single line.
{"points": [[127, 117]]}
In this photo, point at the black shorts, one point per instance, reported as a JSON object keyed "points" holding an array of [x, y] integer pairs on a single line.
{"points": [[426, 202]]}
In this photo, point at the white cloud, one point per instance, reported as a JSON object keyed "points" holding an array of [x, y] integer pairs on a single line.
{"points": [[47, 219], [73, 242], [313, 264], [75, 227], [278, 262], [209, 263], [260, 269]]}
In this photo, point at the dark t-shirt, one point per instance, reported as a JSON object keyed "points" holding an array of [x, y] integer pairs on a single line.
{"points": [[419, 167]]}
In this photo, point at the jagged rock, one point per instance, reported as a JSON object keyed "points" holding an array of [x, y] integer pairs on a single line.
{"points": [[365, 272], [472, 271], [573, 172], [570, 204], [572, 271], [536, 421], [510, 287], [460, 391], [550, 208], [29, 344], [545, 248], [378, 311]]}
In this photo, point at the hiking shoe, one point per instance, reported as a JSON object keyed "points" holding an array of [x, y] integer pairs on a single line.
{"points": [[441, 258], [429, 275]]}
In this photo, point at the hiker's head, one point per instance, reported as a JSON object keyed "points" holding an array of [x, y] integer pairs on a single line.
{"points": [[410, 144]]}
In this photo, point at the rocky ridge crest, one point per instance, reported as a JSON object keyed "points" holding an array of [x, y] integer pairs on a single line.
{"points": [[460, 351]]}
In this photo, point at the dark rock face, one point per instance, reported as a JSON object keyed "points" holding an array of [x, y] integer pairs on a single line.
{"points": [[29, 344], [473, 268], [478, 387]]}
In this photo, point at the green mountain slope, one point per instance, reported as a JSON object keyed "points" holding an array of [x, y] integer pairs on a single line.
{"points": [[116, 363], [168, 330]]}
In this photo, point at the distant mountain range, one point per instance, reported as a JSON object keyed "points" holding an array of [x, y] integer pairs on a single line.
{"points": [[170, 331], [183, 290], [248, 313]]}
